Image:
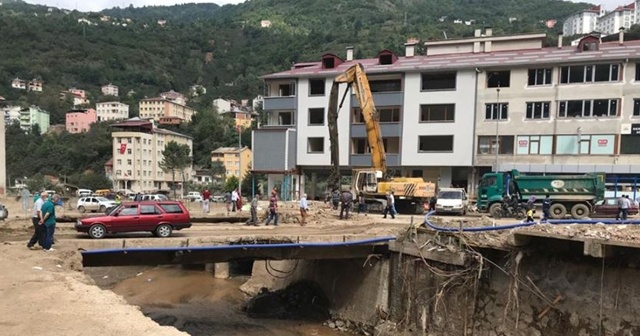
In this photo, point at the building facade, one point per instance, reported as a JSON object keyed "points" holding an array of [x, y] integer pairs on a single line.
{"points": [[584, 22], [621, 17], [19, 84], [112, 111], [236, 162], [80, 120], [35, 85], [165, 111], [110, 90], [32, 116], [444, 115], [241, 112], [137, 154]]}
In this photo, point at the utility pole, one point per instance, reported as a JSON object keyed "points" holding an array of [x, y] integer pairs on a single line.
{"points": [[498, 116], [239, 159]]}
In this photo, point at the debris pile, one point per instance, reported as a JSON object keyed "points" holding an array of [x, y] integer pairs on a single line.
{"points": [[303, 300]]}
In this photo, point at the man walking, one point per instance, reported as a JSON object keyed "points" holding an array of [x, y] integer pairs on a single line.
{"points": [[624, 207], [234, 200], [227, 201], [620, 202], [304, 208], [273, 210], [254, 210], [546, 206], [49, 220], [347, 200], [38, 230], [206, 195], [390, 209]]}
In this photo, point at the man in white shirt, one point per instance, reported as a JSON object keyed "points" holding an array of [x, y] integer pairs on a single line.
{"points": [[38, 233], [234, 200], [304, 208]]}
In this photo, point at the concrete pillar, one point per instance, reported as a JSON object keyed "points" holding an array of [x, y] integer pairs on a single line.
{"points": [[221, 270], [445, 177], [209, 268], [313, 188], [301, 189]]}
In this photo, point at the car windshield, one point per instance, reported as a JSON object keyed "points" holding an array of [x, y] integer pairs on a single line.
{"points": [[450, 195], [102, 199]]}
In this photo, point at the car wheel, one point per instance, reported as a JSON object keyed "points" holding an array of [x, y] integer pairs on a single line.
{"points": [[82, 209], [163, 230], [103, 208], [97, 231]]}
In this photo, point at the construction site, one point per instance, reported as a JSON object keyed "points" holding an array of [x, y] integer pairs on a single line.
{"points": [[366, 275]]}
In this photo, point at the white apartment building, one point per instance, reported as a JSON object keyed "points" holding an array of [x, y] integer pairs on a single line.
{"points": [[112, 111], [584, 22], [110, 90], [621, 17], [137, 154]]}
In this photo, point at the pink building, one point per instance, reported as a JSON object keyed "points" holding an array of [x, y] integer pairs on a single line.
{"points": [[78, 121]]}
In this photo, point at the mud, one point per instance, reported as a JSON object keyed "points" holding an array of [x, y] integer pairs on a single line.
{"points": [[303, 300]]}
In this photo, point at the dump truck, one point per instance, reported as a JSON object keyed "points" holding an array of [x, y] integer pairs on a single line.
{"points": [[574, 194]]}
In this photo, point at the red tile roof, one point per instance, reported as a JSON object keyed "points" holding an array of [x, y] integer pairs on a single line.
{"points": [[497, 59]]}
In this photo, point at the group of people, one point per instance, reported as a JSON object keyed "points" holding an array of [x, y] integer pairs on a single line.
{"points": [[272, 211], [233, 200], [44, 221]]}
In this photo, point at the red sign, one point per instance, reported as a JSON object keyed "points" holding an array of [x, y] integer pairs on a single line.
{"points": [[603, 142], [523, 143], [123, 148]]}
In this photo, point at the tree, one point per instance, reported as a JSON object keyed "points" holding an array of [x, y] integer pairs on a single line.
{"points": [[218, 170], [175, 159], [231, 183]]}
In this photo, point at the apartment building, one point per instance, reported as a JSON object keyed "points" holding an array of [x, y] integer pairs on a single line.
{"points": [[621, 17], [137, 154], [236, 162], [165, 111], [241, 112], [32, 116], [175, 97], [11, 114], [80, 120], [112, 111], [561, 109], [110, 90], [583, 22]]}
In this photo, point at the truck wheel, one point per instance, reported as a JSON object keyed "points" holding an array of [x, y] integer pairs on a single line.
{"points": [[579, 211], [558, 211], [494, 209]]}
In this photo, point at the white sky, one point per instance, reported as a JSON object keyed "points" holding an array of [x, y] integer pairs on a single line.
{"points": [[97, 5]]}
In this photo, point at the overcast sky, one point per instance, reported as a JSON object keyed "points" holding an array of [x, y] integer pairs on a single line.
{"points": [[97, 5]]}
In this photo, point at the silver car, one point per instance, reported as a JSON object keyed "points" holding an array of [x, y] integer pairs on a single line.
{"points": [[94, 204]]}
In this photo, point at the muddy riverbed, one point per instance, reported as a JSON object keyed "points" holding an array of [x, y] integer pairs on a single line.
{"points": [[195, 302]]}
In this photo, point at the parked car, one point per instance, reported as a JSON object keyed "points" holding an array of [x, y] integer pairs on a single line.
{"points": [[94, 204], [193, 196], [154, 197], [609, 208], [159, 218], [452, 200], [84, 192], [218, 199]]}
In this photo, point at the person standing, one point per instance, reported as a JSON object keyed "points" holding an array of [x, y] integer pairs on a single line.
{"points": [[234, 200], [390, 209], [432, 204], [362, 205], [206, 196], [347, 200], [619, 213], [273, 210], [49, 220], [304, 208], [335, 199], [227, 201], [254, 210], [239, 201], [38, 229], [546, 207], [624, 208]]}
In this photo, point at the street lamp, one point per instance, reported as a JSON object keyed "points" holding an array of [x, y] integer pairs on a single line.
{"points": [[498, 115]]}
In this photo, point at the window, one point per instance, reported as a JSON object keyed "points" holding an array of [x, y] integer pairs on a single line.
{"points": [[148, 209], [630, 144], [534, 145], [439, 81], [285, 90], [585, 144], [539, 77], [437, 113], [129, 210], [589, 73], [389, 114], [435, 143], [496, 79], [359, 146], [316, 87], [496, 111], [119, 161], [356, 116], [285, 119], [588, 108], [487, 144], [129, 151], [538, 110], [129, 162], [171, 208], [128, 173], [316, 116], [391, 145], [315, 145], [385, 59], [386, 85], [636, 107]]}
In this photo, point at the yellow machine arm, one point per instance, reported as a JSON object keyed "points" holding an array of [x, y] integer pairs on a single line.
{"points": [[355, 77]]}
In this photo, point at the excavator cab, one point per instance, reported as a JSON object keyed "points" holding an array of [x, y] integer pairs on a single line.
{"points": [[367, 180]]}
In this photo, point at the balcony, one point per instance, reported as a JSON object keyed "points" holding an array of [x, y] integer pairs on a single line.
{"points": [[382, 99], [364, 160], [279, 103], [274, 149]]}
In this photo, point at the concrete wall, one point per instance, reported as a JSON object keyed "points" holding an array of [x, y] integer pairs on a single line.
{"points": [[356, 295]]}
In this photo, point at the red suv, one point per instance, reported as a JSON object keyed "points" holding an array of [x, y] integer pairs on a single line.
{"points": [[159, 218]]}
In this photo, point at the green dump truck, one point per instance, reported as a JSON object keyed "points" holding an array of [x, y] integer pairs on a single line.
{"points": [[575, 194]]}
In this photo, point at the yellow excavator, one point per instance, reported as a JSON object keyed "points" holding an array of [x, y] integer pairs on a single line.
{"points": [[410, 192]]}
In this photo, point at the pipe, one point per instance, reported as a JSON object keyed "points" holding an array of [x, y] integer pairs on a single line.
{"points": [[519, 225], [243, 246]]}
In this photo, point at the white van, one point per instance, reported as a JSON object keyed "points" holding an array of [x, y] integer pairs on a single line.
{"points": [[84, 192], [452, 200]]}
